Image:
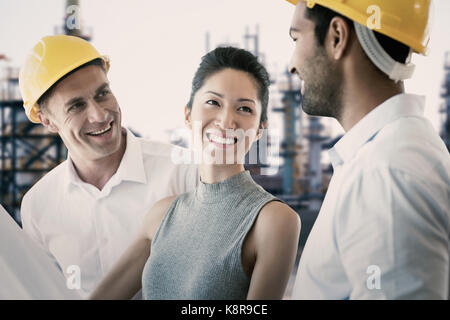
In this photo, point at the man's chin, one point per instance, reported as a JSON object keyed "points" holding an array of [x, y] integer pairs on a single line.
{"points": [[104, 151], [316, 108], [310, 109]]}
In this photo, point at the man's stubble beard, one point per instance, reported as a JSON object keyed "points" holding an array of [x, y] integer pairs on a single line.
{"points": [[323, 87]]}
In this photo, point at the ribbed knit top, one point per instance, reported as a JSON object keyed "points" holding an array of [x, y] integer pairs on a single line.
{"points": [[196, 251]]}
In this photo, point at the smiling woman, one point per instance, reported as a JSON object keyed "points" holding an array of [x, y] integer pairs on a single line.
{"points": [[243, 76], [228, 238], [228, 111], [242, 60]]}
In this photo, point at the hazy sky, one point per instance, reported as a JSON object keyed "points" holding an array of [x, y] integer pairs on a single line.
{"points": [[156, 46]]}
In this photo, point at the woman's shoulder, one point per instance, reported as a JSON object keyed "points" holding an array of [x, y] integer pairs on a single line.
{"points": [[276, 218], [276, 209], [273, 209], [156, 214], [164, 203]]}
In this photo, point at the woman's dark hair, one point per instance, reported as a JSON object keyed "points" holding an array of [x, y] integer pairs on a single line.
{"points": [[237, 59], [322, 17]]}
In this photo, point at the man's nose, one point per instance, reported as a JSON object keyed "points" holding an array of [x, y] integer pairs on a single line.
{"points": [[292, 68], [96, 113]]}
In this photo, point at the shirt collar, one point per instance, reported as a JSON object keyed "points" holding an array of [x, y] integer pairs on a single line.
{"points": [[366, 129], [71, 174], [131, 166]]}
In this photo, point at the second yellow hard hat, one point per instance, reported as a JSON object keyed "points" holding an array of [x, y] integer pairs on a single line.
{"points": [[407, 21]]}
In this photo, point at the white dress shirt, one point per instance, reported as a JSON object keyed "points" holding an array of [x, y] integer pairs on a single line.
{"points": [[81, 226], [26, 271], [383, 228]]}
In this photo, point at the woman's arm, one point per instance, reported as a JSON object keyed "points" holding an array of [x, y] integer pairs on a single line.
{"points": [[276, 235], [124, 279]]}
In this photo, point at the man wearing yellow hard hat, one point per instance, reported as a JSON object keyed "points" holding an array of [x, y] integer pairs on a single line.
{"points": [[86, 210], [382, 231]]}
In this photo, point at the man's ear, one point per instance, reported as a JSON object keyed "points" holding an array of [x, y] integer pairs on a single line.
{"points": [[261, 129], [46, 122], [338, 37], [187, 117]]}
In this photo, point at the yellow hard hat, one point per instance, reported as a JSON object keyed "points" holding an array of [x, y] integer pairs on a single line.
{"points": [[406, 21], [51, 59]]}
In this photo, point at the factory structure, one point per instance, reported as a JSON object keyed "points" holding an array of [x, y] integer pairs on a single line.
{"points": [[298, 175], [445, 109]]}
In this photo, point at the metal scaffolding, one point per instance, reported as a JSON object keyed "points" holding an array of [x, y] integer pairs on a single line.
{"points": [[291, 100], [28, 151], [445, 110]]}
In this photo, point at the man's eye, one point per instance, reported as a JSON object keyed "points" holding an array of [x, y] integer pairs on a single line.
{"points": [[103, 93], [212, 102], [76, 106]]}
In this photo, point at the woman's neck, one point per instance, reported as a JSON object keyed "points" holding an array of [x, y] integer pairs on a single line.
{"points": [[218, 173]]}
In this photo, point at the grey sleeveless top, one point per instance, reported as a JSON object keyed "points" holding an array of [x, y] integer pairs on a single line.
{"points": [[196, 251]]}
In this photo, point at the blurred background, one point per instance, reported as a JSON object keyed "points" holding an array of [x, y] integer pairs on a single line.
{"points": [[155, 48]]}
